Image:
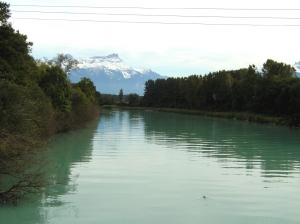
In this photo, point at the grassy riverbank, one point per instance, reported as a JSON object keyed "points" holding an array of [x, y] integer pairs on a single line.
{"points": [[244, 116]]}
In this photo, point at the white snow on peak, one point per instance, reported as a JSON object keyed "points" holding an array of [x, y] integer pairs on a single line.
{"points": [[126, 75], [108, 63], [143, 70], [112, 62]]}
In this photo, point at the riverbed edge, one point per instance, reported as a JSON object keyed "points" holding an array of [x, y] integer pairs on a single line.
{"points": [[235, 115]]}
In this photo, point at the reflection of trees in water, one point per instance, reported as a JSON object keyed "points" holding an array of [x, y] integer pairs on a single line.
{"points": [[270, 148], [118, 124], [136, 122], [110, 128], [66, 150]]}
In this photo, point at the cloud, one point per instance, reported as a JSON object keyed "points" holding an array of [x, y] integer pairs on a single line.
{"points": [[173, 50]]}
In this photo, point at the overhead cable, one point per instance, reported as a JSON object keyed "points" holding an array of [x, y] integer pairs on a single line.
{"points": [[158, 8], [166, 23], [159, 15]]}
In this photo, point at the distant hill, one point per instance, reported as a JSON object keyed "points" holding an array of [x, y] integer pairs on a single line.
{"points": [[110, 74]]}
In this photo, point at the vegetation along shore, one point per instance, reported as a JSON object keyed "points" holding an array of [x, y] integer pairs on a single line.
{"points": [[36, 101]]}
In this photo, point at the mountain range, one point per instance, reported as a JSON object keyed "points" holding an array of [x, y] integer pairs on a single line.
{"points": [[110, 74]]}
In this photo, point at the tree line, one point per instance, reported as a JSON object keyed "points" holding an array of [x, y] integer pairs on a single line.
{"points": [[36, 100], [273, 91], [122, 99]]}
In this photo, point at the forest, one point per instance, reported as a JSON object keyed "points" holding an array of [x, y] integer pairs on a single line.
{"points": [[273, 91], [36, 100]]}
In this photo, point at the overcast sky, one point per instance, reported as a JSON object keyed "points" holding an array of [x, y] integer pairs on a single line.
{"points": [[195, 42]]}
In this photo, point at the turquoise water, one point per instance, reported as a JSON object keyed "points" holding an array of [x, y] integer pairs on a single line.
{"points": [[150, 167]]}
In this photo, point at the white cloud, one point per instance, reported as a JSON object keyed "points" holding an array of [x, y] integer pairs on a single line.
{"points": [[174, 50]]}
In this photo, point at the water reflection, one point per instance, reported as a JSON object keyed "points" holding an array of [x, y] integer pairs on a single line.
{"points": [[148, 167], [68, 150], [234, 144], [118, 129], [111, 125], [273, 150]]}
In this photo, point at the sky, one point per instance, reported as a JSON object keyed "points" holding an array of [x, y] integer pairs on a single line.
{"points": [[174, 38]]}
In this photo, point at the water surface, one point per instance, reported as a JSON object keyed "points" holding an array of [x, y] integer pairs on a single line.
{"points": [[150, 167]]}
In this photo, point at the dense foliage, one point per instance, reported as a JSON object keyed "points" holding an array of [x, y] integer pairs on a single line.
{"points": [[274, 92], [36, 100]]}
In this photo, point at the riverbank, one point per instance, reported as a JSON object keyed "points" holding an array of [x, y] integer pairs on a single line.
{"points": [[243, 116]]}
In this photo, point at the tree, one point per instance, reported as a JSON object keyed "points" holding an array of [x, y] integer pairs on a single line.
{"points": [[35, 102], [4, 13], [107, 99], [87, 86], [149, 92], [98, 96], [66, 62], [121, 96], [191, 86], [22, 112], [55, 84], [133, 99], [273, 68], [244, 89], [15, 62]]}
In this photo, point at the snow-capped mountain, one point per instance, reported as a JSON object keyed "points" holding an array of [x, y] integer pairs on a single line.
{"points": [[111, 62], [110, 74]]}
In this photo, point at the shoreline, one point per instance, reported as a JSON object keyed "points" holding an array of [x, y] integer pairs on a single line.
{"points": [[236, 115]]}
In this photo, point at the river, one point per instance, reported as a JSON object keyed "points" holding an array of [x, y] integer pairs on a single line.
{"points": [[149, 167]]}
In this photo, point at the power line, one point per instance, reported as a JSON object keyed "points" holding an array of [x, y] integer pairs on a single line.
{"points": [[159, 15], [163, 23], [157, 8]]}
